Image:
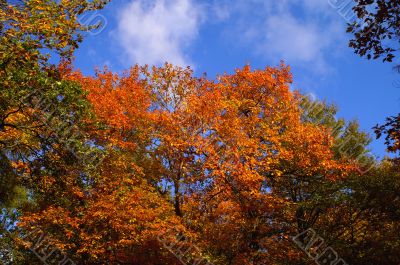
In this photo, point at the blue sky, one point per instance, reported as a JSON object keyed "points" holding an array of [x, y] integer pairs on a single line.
{"points": [[217, 36]]}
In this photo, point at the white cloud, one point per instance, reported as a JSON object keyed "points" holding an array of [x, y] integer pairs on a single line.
{"points": [[301, 32], [284, 37], [153, 32]]}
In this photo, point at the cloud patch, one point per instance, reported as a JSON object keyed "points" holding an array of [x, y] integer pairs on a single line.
{"points": [[285, 36], [153, 32], [300, 32]]}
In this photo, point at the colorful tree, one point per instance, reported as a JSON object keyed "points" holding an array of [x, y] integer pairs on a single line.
{"points": [[36, 104], [230, 163]]}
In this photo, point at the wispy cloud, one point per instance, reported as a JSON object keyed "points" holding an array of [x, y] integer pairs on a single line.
{"points": [[301, 32], [287, 38], [153, 32]]}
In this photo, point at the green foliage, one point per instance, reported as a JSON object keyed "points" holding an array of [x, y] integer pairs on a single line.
{"points": [[38, 108]]}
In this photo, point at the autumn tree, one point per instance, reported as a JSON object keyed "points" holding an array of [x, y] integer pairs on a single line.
{"points": [[232, 164], [359, 217], [392, 130], [376, 29], [34, 100], [376, 35], [130, 178], [27, 29], [362, 222]]}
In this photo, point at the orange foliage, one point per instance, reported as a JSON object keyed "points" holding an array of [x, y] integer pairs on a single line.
{"points": [[212, 158]]}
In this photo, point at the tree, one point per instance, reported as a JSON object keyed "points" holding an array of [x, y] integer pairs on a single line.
{"points": [[34, 99], [227, 162], [358, 216], [392, 130], [376, 29], [376, 35], [362, 221], [27, 28]]}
